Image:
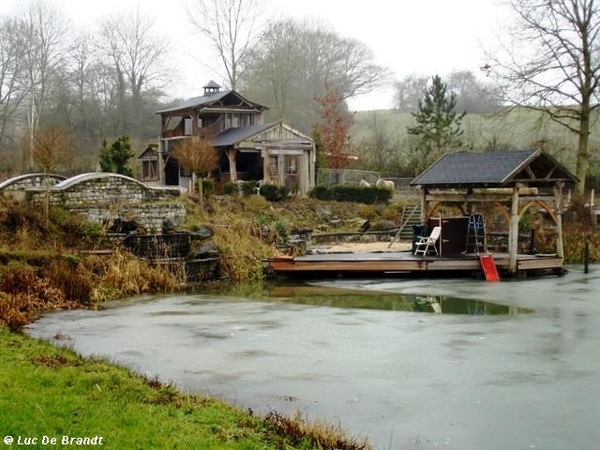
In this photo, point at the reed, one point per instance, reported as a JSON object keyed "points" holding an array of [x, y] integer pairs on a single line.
{"points": [[241, 251], [24, 295], [314, 434], [121, 275]]}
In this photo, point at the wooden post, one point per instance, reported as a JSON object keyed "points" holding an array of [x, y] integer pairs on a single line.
{"points": [[161, 162], [304, 173], [423, 205], [586, 255], [513, 231], [558, 199]]}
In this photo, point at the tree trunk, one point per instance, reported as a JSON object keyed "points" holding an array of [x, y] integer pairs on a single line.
{"points": [[582, 164], [231, 154], [195, 179]]}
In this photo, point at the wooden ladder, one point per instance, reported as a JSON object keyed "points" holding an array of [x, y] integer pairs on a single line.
{"points": [[405, 221]]}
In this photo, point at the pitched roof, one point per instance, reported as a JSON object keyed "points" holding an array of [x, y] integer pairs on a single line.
{"points": [[491, 169], [232, 136], [206, 100]]}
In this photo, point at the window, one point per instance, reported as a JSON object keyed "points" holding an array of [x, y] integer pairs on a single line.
{"points": [[149, 170], [273, 168], [187, 127], [291, 165]]}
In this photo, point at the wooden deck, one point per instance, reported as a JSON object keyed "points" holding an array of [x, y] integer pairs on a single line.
{"points": [[398, 263]]}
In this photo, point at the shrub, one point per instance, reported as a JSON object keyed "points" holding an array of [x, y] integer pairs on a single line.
{"points": [[249, 187], [367, 212], [320, 193], [348, 193], [208, 187], [257, 203], [230, 188], [274, 193]]}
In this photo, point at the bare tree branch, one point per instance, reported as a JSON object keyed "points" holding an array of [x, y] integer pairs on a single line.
{"points": [[551, 64], [232, 27]]}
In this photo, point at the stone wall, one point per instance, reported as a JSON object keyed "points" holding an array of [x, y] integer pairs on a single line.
{"points": [[105, 198], [16, 187]]}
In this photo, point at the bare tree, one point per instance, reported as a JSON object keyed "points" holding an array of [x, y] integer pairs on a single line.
{"points": [[294, 62], [52, 147], [472, 95], [552, 65], [12, 89], [44, 31], [408, 91], [199, 157], [231, 26], [136, 51]]}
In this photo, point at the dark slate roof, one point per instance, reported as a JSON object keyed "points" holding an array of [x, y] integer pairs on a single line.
{"points": [[491, 169], [232, 136], [212, 84], [197, 101], [204, 100]]}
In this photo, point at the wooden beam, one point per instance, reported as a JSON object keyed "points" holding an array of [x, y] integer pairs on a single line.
{"points": [[513, 232], [558, 195], [466, 198], [424, 205]]}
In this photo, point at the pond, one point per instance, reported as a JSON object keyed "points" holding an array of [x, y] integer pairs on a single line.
{"points": [[503, 365]]}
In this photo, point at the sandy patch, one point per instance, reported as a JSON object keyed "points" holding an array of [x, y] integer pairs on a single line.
{"points": [[358, 247]]}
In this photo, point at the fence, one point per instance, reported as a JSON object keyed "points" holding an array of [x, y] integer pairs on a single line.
{"points": [[329, 177]]}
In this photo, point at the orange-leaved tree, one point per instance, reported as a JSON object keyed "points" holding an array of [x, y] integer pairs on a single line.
{"points": [[197, 155], [333, 128]]}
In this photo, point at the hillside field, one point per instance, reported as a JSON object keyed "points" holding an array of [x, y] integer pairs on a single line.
{"points": [[503, 130]]}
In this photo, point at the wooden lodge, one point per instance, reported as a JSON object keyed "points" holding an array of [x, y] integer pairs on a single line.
{"points": [[249, 149], [513, 181]]}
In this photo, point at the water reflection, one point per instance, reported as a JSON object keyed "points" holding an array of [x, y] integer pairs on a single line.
{"points": [[364, 299]]}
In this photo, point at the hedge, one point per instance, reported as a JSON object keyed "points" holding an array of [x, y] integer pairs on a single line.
{"points": [[350, 193]]}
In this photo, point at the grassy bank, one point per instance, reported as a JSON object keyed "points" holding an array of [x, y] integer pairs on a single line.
{"points": [[54, 393], [48, 393]]}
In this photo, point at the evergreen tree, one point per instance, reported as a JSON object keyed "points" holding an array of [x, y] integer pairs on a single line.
{"points": [[116, 157], [438, 124]]}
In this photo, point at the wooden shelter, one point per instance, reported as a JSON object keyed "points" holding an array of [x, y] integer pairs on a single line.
{"points": [[249, 149], [513, 180]]}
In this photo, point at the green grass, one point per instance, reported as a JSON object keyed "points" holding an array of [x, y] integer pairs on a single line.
{"points": [[517, 129], [52, 392], [47, 391]]}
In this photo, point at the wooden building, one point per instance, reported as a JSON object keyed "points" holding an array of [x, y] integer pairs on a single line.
{"points": [[249, 149], [513, 180]]}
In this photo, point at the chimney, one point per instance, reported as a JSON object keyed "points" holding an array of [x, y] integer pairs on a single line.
{"points": [[211, 88]]}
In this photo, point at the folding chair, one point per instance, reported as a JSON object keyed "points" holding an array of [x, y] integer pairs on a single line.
{"points": [[427, 243]]}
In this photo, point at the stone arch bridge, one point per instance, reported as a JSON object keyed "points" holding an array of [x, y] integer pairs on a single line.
{"points": [[103, 198]]}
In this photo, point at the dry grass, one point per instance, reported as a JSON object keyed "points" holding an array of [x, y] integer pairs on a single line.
{"points": [[122, 275], [241, 251], [24, 295], [320, 435]]}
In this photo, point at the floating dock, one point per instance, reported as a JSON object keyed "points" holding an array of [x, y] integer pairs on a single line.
{"points": [[406, 263]]}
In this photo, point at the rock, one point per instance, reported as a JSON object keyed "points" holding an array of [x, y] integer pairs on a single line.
{"points": [[203, 232], [383, 225], [168, 226], [207, 250], [323, 212]]}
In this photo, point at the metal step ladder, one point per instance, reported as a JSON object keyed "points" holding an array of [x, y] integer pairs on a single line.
{"points": [[476, 236]]}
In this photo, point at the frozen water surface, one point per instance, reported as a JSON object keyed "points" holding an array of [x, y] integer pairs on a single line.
{"points": [[515, 365]]}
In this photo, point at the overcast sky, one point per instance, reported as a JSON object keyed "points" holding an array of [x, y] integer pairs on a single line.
{"points": [[407, 36]]}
